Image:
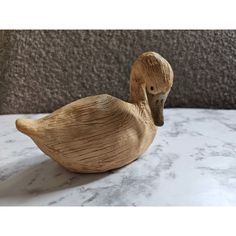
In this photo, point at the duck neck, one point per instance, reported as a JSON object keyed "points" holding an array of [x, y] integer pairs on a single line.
{"points": [[138, 93], [138, 97]]}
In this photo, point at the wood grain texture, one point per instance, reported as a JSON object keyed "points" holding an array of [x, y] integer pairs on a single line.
{"points": [[100, 133]]}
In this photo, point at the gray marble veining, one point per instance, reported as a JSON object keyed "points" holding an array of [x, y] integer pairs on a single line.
{"points": [[192, 162]]}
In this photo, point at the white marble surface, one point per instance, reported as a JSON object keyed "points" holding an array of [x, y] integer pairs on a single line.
{"points": [[192, 162]]}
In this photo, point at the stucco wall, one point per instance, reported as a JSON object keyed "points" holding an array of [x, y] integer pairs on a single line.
{"points": [[43, 70]]}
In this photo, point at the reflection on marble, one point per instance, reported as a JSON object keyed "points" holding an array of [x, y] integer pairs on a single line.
{"points": [[192, 161]]}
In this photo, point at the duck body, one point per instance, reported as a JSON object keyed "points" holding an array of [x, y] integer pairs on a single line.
{"points": [[101, 133], [93, 134]]}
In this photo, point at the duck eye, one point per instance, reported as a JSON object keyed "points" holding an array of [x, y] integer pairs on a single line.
{"points": [[152, 88]]}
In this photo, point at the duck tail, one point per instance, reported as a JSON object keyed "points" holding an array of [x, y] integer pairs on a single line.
{"points": [[26, 126]]}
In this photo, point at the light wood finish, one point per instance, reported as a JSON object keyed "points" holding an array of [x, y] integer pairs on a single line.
{"points": [[100, 133]]}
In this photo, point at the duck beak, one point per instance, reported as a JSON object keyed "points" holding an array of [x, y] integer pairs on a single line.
{"points": [[156, 103]]}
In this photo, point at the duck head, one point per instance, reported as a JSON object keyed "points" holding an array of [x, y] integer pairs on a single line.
{"points": [[150, 82]]}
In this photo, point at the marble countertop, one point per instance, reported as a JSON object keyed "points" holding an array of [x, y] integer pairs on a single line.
{"points": [[192, 162]]}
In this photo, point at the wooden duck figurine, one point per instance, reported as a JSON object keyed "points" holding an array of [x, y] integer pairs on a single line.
{"points": [[101, 133]]}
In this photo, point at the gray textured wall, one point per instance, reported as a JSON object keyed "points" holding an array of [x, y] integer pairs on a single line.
{"points": [[43, 70]]}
